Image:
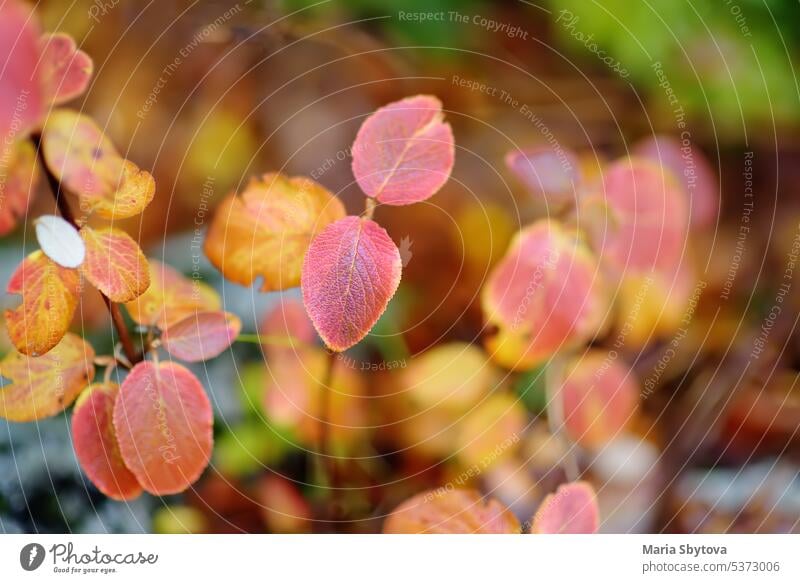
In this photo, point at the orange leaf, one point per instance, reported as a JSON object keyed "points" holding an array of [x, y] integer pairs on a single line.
{"points": [[87, 163], [170, 298], [49, 297], [96, 443], [448, 511], [115, 264], [163, 421], [44, 386], [267, 229], [17, 184], [201, 336], [65, 70]]}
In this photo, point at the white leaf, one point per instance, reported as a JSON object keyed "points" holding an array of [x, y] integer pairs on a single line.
{"points": [[60, 241]]}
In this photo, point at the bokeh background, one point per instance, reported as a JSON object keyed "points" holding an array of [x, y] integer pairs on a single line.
{"points": [[207, 94]]}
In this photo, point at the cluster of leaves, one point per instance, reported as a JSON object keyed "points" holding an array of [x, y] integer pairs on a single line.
{"points": [[152, 432]]}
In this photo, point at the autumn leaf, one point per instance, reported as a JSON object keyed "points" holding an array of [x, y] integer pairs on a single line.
{"points": [[571, 510], [79, 154], [115, 264], [404, 152], [96, 446], [65, 71], [599, 397], [49, 297], [44, 386], [451, 511], [163, 422], [491, 431], [201, 336], [171, 297], [60, 241], [22, 101], [546, 294], [265, 231], [17, 184], [350, 273]]}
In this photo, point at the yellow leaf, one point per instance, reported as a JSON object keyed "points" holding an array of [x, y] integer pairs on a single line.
{"points": [[115, 264]]}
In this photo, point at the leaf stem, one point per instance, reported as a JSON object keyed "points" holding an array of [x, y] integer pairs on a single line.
{"points": [[369, 207], [64, 209], [554, 374]]}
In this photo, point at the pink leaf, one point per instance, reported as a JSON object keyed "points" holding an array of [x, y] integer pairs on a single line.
{"points": [[350, 273], [66, 71], [201, 336], [404, 152], [571, 510], [546, 173], [21, 100]]}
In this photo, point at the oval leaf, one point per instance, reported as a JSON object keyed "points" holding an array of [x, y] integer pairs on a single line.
{"points": [[87, 163], [447, 511], [96, 445], [599, 398], [404, 152], [17, 184], [21, 96], [170, 298], [265, 231], [60, 241], [49, 297], [571, 510], [65, 70], [163, 421], [115, 264], [44, 386], [201, 336], [350, 273]]}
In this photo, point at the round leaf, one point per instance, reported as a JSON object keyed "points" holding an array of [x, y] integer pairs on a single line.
{"points": [[115, 264], [571, 510], [44, 386], [201, 336], [266, 230], [448, 511], [404, 152], [350, 273], [96, 445], [65, 70], [60, 241], [163, 422]]}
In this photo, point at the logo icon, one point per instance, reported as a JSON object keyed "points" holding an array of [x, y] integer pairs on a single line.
{"points": [[31, 556], [405, 250]]}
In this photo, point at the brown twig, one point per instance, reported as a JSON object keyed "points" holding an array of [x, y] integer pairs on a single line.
{"points": [[64, 209]]}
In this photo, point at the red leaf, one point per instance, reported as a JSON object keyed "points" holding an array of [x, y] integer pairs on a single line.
{"points": [[96, 443], [163, 421], [21, 99], [65, 70], [115, 264], [571, 510], [404, 152], [201, 336], [447, 511], [350, 273]]}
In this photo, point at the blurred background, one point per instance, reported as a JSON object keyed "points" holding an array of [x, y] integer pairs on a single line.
{"points": [[207, 94]]}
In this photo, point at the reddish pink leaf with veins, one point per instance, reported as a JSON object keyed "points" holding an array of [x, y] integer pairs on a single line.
{"points": [[404, 152], [571, 510], [350, 273]]}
